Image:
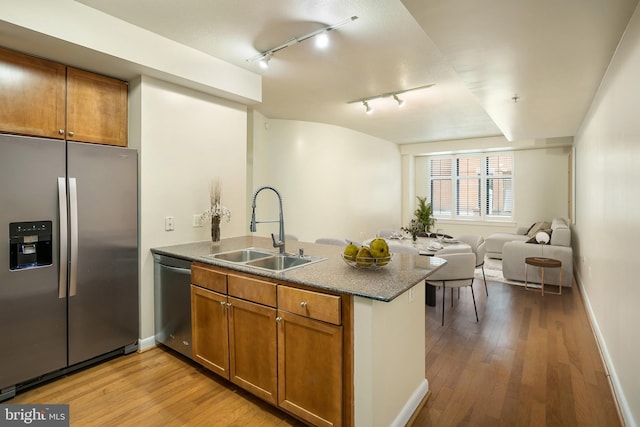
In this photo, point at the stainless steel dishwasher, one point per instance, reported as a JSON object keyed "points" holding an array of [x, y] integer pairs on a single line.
{"points": [[172, 303]]}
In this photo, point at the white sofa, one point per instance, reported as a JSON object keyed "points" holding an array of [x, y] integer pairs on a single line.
{"points": [[496, 241], [514, 253]]}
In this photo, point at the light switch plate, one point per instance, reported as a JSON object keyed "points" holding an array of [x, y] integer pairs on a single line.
{"points": [[168, 223], [196, 221]]}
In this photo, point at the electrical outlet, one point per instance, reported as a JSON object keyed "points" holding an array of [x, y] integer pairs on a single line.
{"points": [[196, 221], [410, 295], [168, 223]]}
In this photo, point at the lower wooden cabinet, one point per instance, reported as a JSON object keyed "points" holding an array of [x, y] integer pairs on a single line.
{"points": [[252, 348], [210, 330], [310, 369], [282, 344]]}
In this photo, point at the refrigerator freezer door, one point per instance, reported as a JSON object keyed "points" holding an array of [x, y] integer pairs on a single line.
{"points": [[103, 307], [32, 318]]}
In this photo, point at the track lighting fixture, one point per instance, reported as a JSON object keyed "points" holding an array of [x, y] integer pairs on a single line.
{"points": [[322, 41], [398, 100], [264, 62], [394, 95]]}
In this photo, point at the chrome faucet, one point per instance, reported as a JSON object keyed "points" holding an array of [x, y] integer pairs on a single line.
{"points": [[252, 227]]}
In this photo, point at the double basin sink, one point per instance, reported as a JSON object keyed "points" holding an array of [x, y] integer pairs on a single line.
{"points": [[265, 260]]}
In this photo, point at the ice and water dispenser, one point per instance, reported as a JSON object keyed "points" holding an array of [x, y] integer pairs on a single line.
{"points": [[30, 244]]}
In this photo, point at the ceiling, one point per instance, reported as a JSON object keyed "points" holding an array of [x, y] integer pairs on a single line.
{"points": [[548, 55]]}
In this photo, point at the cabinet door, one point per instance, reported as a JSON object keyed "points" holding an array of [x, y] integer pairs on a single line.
{"points": [[32, 95], [252, 348], [210, 330], [310, 369], [96, 108]]}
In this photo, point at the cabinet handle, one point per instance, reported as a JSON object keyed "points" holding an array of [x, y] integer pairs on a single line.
{"points": [[228, 304], [222, 303], [70, 133], [61, 131], [303, 304], [278, 319]]}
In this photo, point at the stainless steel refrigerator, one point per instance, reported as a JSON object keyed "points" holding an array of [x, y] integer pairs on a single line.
{"points": [[68, 257]]}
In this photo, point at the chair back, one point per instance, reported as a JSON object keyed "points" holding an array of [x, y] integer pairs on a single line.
{"points": [[480, 253], [331, 241], [472, 240], [458, 271], [386, 233], [478, 246]]}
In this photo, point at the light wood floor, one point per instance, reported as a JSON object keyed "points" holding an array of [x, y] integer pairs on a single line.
{"points": [[530, 361]]}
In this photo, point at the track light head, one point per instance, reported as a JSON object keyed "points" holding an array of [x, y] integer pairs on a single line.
{"points": [[368, 109], [399, 101], [264, 61], [322, 40]]}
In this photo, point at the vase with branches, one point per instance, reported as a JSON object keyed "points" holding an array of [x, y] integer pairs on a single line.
{"points": [[216, 211]]}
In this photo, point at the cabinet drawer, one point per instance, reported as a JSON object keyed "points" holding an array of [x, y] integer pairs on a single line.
{"points": [[310, 304], [205, 276], [252, 290]]}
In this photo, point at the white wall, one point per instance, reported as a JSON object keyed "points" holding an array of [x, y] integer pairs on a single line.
{"points": [[541, 185], [185, 139], [334, 182], [607, 227]]}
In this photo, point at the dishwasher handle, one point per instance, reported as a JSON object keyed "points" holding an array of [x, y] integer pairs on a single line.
{"points": [[176, 269]]}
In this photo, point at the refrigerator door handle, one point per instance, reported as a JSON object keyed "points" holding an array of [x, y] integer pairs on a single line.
{"points": [[73, 236], [62, 207]]}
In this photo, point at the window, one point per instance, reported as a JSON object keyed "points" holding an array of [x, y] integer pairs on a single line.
{"points": [[478, 186]]}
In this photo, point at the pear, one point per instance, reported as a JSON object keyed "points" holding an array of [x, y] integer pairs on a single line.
{"points": [[350, 252], [379, 248], [380, 251], [364, 258]]}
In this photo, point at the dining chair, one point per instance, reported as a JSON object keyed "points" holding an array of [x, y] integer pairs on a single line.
{"points": [[386, 233], [479, 248], [331, 241], [457, 273]]}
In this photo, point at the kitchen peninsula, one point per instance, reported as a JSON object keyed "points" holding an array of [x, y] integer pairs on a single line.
{"points": [[369, 326]]}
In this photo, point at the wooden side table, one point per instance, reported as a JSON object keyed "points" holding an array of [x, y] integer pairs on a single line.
{"points": [[543, 263]]}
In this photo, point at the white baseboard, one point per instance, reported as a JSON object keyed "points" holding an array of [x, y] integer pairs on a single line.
{"points": [[618, 394], [146, 343], [412, 405]]}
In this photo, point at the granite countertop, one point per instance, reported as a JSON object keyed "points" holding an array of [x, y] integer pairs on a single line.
{"points": [[402, 273]]}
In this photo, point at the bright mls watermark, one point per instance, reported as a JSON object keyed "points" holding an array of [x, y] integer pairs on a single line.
{"points": [[34, 415]]}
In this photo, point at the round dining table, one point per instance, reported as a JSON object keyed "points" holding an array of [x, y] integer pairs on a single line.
{"points": [[430, 246]]}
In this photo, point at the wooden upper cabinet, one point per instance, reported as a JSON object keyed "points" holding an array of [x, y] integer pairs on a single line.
{"points": [[46, 99], [32, 95], [96, 108]]}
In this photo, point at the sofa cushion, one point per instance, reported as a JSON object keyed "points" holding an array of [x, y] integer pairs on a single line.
{"points": [[561, 235], [497, 240]]}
